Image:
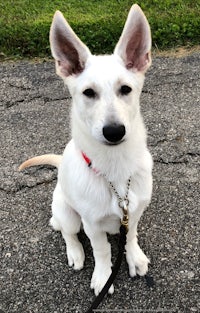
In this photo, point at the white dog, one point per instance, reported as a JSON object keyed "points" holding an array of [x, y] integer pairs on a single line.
{"points": [[106, 167]]}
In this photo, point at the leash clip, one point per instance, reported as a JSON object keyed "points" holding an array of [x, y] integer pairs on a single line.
{"points": [[123, 204]]}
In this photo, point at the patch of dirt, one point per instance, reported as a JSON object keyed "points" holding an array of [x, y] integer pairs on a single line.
{"points": [[176, 52]]}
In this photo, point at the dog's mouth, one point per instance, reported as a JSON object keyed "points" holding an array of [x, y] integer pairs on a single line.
{"points": [[109, 143]]}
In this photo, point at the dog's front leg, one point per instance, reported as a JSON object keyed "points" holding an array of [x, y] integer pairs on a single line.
{"points": [[136, 259], [102, 255]]}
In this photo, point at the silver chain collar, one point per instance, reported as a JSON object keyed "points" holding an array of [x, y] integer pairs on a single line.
{"points": [[122, 202]]}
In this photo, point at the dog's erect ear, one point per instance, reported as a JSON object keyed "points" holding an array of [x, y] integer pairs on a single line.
{"points": [[67, 49], [135, 42]]}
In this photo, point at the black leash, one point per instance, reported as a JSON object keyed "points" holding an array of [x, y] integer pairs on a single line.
{"points": [[115, 270]]}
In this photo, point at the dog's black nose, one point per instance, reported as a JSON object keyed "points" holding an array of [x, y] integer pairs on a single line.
{"points": [[114, 132]]}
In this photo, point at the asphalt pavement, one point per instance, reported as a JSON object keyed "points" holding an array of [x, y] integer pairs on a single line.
{"points": [[35, 119]]}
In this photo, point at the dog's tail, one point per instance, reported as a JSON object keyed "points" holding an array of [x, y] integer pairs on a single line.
{"points": [[49, 159]]}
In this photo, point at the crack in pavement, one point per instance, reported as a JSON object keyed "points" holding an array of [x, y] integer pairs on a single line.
{"points": [[180, 159], [19, 187], [10, 104]]}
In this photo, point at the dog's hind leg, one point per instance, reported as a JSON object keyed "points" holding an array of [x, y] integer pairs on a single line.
{"points": [[65, 219]]}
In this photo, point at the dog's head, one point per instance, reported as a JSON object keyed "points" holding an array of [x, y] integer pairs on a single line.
{"points": [[105, 89]]}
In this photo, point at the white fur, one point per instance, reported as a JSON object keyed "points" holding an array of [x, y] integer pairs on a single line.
{"points": [[81, 195]]}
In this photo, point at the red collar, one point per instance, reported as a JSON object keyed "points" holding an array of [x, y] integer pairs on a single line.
{"points": [[89, 162]]}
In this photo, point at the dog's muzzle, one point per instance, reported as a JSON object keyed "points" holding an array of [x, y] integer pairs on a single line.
{"points": [[114, 133]]}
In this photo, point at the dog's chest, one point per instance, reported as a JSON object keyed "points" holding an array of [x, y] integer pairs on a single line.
{"points": [[93, 199], [96, 201], [90, 195]]}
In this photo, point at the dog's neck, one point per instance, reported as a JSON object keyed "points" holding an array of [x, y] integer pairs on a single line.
{"points": [[116, 162]]}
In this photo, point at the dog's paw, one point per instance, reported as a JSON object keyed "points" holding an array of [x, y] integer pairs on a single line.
{"points": [[76, 256], [99, 279], [136, 259]]}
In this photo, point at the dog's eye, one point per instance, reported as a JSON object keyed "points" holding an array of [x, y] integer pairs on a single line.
{"points": [[90, 93], [125, 90]]}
